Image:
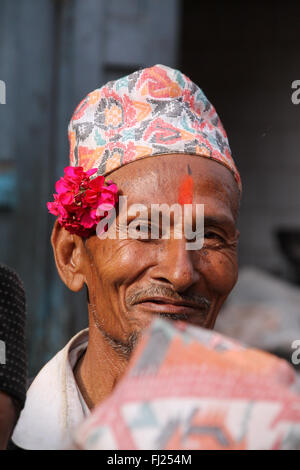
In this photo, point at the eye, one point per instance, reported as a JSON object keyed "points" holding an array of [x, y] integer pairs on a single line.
{"points": [[143, 228], [141, 231], [211, 235], [149, 232]]}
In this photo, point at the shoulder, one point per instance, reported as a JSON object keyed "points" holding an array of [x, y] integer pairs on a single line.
{"points": [[43, 422]]}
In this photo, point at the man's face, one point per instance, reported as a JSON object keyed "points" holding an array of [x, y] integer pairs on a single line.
{"points": [[132, 280]]}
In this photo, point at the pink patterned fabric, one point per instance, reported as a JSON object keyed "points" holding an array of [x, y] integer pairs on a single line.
{"points": [[153, 111], [191, 388]]}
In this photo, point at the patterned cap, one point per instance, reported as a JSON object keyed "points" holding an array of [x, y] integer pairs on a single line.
{"points": [[13, 361], [154, 111]]}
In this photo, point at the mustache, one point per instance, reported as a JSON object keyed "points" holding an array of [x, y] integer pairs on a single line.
{"points": [[162, 291]]}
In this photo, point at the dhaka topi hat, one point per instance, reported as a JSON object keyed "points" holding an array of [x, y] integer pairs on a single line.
{"points": [[154, 111], [13, 360], [190, 388]]}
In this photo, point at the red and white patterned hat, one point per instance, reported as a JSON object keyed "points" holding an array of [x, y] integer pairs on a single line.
{"points": [[154, 111]]}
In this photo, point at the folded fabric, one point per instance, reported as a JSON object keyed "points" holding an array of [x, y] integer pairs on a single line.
{"points": [[263, 311], [191, 388]]}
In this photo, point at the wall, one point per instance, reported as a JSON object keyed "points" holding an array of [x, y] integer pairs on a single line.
{"points": [[245, 56], [52, 53]]}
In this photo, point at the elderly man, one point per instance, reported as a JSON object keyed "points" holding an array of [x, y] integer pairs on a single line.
{"points": [[161, 142]]}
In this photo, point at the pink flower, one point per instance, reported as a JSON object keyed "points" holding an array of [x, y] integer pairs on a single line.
{"points": [[81, 202]]}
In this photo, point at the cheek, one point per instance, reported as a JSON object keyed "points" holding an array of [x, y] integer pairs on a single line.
{"points": [[121, 261], [220, 268]]}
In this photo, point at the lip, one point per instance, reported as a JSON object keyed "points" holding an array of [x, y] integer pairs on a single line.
{"points": [[170, 306]]}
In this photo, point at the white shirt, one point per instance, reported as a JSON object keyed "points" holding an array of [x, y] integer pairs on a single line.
{"points": [[54, 406]]}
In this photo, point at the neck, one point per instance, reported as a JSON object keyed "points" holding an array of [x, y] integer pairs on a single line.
{"points": [[101, 367]]}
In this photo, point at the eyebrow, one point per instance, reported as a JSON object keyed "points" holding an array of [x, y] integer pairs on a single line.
{"points": [[208, 220], [218, 220]]}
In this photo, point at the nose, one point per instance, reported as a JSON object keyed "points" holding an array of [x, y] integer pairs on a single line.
{"points": [[176, 265]]}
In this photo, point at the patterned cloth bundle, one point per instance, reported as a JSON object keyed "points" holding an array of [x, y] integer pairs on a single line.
{"points": [[191, 388]]}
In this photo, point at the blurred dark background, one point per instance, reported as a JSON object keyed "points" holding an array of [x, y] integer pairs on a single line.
{"points": [[244, 56]]}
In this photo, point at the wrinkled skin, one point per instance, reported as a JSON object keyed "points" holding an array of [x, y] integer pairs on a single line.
{"points": [[7, 419], [130, 281]]}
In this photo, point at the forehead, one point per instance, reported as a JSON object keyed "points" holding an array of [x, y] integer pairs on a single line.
{"points": [[159, 179]]}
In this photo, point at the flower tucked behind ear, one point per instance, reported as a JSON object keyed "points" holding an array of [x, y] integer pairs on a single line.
{"points": [[79, 199]]}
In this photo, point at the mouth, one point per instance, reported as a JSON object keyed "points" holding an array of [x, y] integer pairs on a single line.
{"points": [[169, 307]]}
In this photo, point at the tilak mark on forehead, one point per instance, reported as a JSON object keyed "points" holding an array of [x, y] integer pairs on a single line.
{"points": [[186, 188]]}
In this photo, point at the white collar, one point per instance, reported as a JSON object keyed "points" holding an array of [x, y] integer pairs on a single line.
{"points": [[54, 405]]}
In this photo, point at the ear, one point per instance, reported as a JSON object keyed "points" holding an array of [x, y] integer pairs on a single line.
{"points": [[70, 256]]}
